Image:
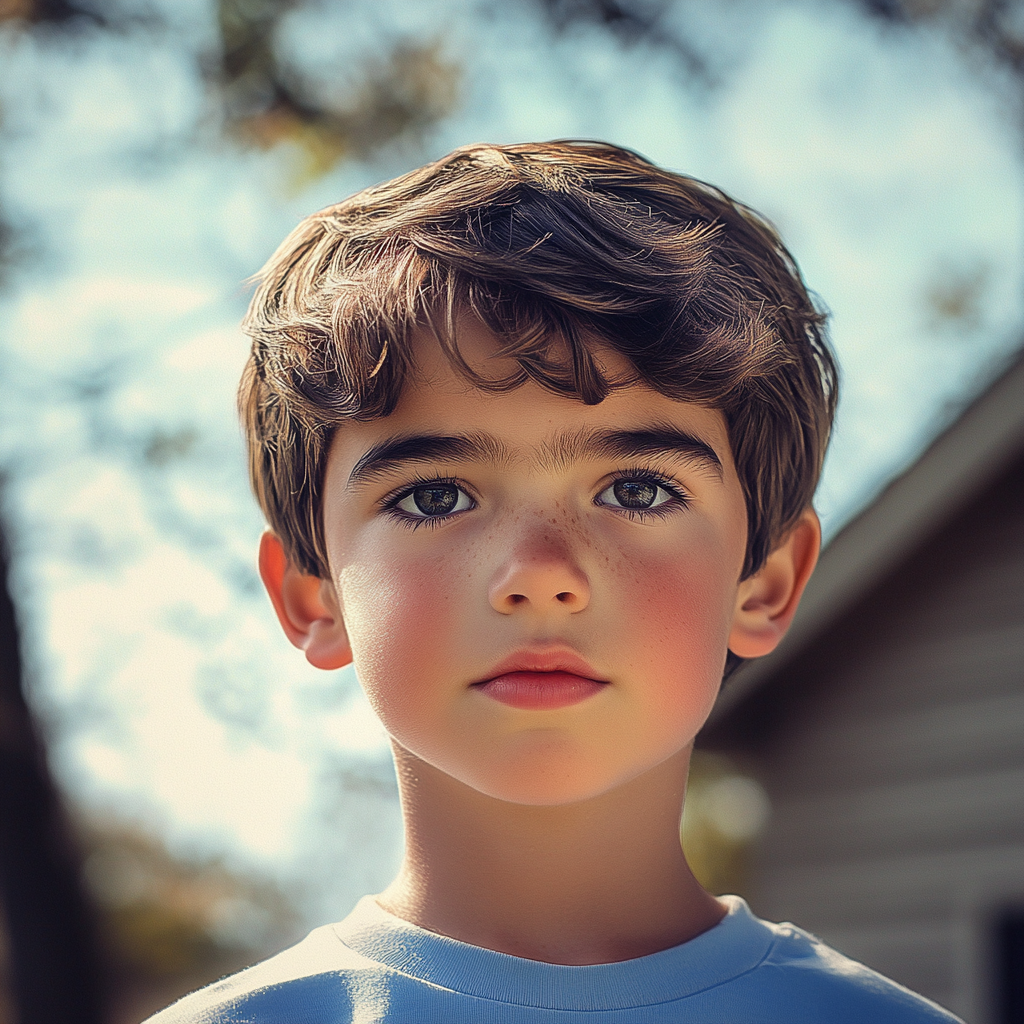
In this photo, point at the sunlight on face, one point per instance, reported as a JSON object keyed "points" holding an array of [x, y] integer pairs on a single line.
{"points": [[490, 551]]}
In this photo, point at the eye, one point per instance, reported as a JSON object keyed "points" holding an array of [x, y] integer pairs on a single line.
{"points": [[636, 494], [433, 500]]}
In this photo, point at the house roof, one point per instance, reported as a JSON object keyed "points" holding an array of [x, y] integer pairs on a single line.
{"points": [[961, 461]]}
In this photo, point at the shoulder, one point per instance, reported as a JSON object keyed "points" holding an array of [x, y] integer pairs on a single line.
{"points": [[317, 975], [818, 983]]}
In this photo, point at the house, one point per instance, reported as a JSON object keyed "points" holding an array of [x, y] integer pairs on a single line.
{"points": [[888, 728]]}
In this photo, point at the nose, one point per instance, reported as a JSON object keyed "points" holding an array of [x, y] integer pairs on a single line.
{"points": [[540, 574]]}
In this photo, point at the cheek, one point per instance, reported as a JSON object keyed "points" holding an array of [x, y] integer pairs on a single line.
{"points": [[400, 616], [676, 613]]}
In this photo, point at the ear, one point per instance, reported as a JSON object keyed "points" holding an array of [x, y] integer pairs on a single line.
{"points": [[767, 601], [307, 607]]}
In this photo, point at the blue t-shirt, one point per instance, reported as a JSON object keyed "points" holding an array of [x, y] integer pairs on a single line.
{"points": [[374, 967]]}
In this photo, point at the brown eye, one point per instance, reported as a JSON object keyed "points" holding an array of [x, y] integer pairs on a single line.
{"points": [[635, 493], [436, 501], [430, 501], [638, 494]]}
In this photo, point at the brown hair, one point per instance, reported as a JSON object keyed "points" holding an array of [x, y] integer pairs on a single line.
{"points": [[552, 246]]}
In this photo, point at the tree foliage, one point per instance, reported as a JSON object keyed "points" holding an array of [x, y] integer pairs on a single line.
{"points": [[266, 100], [995, 26], [53, 13], [632, 22], [170, 924]]}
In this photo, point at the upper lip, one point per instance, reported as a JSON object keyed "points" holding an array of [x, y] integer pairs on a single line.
{"points": [[553, 660]]}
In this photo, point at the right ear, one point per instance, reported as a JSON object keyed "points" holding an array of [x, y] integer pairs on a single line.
{"points": [[307, 607]]}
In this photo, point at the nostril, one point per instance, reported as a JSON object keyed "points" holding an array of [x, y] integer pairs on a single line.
{"points": [[517, 598], [564, 596]]}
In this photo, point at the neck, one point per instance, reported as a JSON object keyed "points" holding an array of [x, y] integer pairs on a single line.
{"points": [[591, 882]]}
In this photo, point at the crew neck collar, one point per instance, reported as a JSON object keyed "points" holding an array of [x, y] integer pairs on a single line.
{"points": [[737, 944]]}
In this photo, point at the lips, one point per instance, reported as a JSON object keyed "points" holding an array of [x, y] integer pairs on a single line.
{"points": [[541, 681]]}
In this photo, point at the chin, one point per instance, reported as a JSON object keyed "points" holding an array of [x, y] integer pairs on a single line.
{"points": [[548, 781], [542, 793]]}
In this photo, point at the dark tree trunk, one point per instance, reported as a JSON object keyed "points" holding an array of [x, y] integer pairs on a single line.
{"points": [[53, 960]]}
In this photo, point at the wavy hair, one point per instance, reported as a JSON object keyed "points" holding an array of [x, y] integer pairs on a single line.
{"points": [[558, 248]]}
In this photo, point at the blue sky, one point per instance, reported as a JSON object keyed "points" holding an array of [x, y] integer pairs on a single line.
{"points": [[889, 161]]}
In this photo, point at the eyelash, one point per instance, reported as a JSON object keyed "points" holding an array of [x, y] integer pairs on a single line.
{"points": [[389, 502], [679, 499]]}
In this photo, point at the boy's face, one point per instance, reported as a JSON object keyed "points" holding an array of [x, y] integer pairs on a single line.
{"points": [[538, 593]]}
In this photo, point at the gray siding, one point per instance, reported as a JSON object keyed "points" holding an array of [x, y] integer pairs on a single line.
{"points": [[893, 752]]}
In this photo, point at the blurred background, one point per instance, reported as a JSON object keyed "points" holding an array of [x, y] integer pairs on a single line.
{"points": [[179, 791]]}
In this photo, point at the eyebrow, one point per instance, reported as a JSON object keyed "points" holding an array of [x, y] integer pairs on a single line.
{"points": [[404, 449], [654, 441]]}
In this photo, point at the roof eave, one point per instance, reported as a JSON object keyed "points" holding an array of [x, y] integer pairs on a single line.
{"points": [[958, 463]]}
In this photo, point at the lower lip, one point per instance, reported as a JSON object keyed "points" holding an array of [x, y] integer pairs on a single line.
{"points": [[540, 691]]}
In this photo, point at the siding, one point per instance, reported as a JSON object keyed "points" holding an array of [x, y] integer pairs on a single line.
{"points": [[893, 753]]}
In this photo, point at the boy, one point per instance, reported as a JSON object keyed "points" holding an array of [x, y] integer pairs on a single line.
{"points": [[536, 429]]}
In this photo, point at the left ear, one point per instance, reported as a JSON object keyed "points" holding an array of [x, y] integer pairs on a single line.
{"points": [[767, 601]]}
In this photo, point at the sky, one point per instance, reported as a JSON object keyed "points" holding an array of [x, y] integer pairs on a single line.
{"points": [[889, 160]]}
